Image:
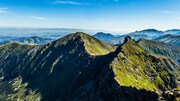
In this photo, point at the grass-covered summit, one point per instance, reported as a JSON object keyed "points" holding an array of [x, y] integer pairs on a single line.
{"points": [[95, 46]]}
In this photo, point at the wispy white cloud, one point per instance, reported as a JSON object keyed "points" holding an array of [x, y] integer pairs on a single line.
{"points": [[68, 2], [4, 10], [39, 18], [167, 12], [33, 17]]}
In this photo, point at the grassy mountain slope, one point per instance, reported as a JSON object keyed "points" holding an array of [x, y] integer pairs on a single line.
{"points": [[96, 47], [134, 67], [79, 67], [159, 48]]}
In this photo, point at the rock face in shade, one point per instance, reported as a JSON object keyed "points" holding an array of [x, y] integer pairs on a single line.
{"points": [[79, 67]]}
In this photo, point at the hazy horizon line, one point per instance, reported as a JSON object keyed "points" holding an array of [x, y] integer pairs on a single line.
{"points": [[85, 29]]}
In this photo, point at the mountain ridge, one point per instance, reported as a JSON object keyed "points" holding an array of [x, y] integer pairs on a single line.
{"points": [[65, 70]]}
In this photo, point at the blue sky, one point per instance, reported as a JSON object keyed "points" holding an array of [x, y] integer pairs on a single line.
{"points": [[113, 15]]}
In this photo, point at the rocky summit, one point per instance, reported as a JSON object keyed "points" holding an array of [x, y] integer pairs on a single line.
{"points": [[78, 67]]}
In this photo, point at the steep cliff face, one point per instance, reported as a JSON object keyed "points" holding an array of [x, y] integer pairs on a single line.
{"points": [[79, 67]]}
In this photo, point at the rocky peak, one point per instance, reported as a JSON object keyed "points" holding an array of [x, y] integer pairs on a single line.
{"points": [[127, 39]]}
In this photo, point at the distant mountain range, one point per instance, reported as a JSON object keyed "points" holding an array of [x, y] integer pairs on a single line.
{"points": [[104, 36], [169, 38], [3, 38], [150, 34], [172, 31], [53, 33], [144, 34], [79, 67], [28, 40]]}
